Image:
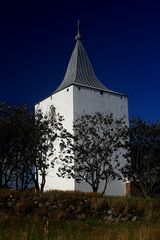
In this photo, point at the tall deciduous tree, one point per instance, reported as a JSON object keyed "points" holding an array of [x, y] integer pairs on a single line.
{"points": [[143, 157], [95, 150], [12, 121], [27, 145], [47, 132]]}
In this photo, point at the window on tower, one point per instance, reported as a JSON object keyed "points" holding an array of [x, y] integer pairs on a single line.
{"points": [[101, 92], [67, 89], [52, 112]]}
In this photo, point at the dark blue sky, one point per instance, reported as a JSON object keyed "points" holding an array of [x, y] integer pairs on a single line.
{"points": [[122, 39]]}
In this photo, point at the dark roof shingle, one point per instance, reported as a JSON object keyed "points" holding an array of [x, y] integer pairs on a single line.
{"points": [[80, 71]]}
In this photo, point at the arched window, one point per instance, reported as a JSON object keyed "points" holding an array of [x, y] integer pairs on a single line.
{"points": [[52, 112]]}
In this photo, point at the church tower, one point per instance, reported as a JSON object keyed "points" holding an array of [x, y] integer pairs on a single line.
{"points": [[79, 93]]}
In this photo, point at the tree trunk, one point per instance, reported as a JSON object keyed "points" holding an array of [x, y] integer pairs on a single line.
{"points": [[1, 178], [143, 190], [95, 189], [43, 181], [105, 186]]}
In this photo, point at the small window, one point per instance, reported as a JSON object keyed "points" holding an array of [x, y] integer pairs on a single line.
{"points": [[51, 97], [67, 89], [52, 113], [79, 88], [101, 92], [82, 110], [52, 110]]}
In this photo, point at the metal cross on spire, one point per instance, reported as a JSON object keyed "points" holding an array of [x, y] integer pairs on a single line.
{"points": [[78, 36]]}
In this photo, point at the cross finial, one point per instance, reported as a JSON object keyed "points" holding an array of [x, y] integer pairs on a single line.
{"points": [[78, 25], [78, 36]]}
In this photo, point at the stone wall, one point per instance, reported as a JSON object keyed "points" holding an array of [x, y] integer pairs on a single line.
{"points": [[76, 205]]}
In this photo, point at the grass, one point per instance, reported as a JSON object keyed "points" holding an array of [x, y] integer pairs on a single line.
{"points": [[37, 229], [53, 216]]}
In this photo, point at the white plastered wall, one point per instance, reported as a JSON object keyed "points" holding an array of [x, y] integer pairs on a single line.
{"points": [[71, 103], [63, 102], [90, 101]]}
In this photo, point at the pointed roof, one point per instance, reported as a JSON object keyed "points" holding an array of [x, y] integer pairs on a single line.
{"points": [[79, 71]]}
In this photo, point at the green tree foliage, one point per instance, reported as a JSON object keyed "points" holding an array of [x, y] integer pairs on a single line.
{"points": [[27, 145], [94, 150], [143, 157]]}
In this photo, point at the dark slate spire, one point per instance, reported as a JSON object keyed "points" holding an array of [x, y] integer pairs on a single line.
{"points": [[79, 71]]}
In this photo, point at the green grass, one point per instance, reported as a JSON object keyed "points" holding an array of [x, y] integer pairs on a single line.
{"points": [[37, 229]]}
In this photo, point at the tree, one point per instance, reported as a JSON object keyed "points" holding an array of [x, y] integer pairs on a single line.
{"points": [[143, 157], [94, 151], [27, 145], [47, 133], [10, 143]]}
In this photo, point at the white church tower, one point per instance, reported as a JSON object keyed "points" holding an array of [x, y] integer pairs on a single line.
{"points": [[82, 93]]}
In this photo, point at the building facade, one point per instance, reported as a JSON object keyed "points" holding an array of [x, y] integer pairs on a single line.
{"points": [[82, 93]]}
